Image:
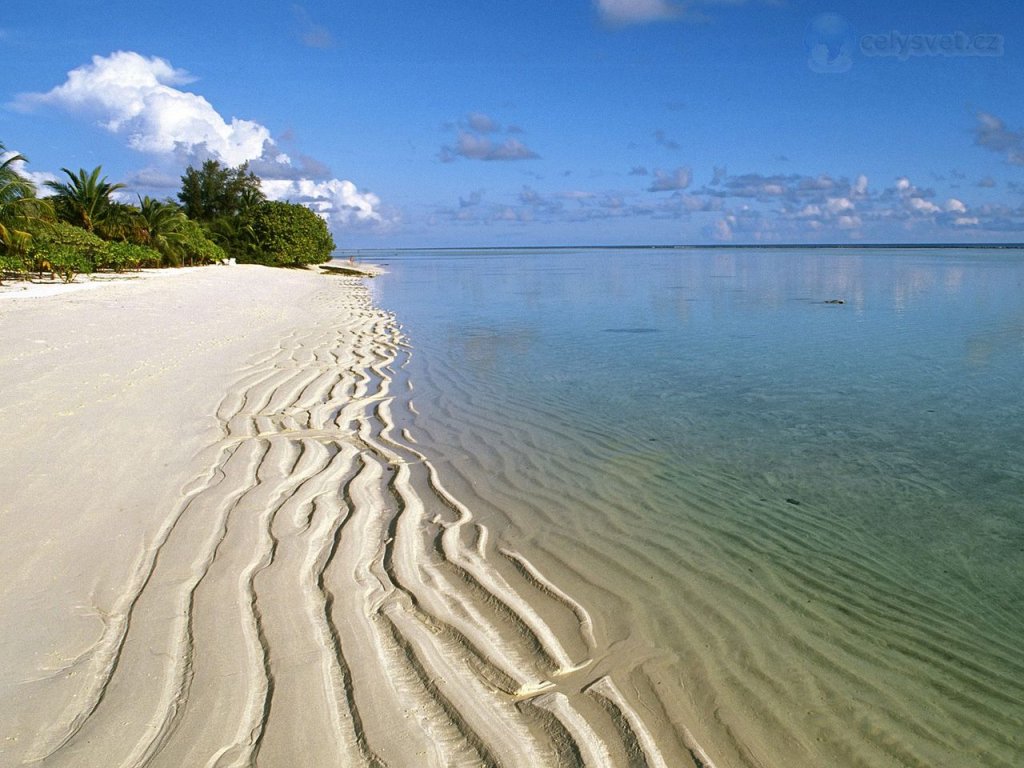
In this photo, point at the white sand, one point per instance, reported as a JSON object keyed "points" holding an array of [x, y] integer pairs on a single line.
{"points": [[221, 547]]}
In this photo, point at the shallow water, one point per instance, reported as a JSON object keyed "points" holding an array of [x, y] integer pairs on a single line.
{"points": [[808, 517]]}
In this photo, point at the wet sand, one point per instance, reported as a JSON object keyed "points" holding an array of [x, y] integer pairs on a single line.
{"points": [[224, 546]]}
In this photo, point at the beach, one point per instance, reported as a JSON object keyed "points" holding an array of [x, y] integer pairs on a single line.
{"points": [[224, 546]]}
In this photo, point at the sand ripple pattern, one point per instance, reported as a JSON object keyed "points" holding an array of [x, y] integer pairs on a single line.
{"points": [[320, 598], [797, 638]]}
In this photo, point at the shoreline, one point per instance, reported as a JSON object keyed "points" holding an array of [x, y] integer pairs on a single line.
{"points": [[273, 524]]}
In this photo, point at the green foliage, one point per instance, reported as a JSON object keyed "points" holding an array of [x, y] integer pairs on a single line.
{"points": [[66, 250], [19, 210], [83, 200], [195, 247], [123, 223], [289, 234], [223, 213], [224, 200], [66, 262], [235, 235], [12, 262], [215, 191], [165, 226], [122, 256]]}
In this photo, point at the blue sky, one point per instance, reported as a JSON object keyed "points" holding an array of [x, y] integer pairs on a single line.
{"points": [[537, 123]]}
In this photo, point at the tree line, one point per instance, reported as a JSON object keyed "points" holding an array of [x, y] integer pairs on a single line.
{"points": [[220, 213]]}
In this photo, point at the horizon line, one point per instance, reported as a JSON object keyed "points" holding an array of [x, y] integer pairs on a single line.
{"points": [[698, 246]]}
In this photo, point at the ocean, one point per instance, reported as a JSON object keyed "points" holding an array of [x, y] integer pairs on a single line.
{"points": [[788, 483]]}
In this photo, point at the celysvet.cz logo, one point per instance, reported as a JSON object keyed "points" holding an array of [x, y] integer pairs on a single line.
{"points": [[903, 46], [832, 44]]}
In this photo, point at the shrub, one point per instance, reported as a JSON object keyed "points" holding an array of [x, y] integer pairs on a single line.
{"points": [[12, 262], [289, 234], [66, 262], [196, 247], [66, 250], [121, 256]]}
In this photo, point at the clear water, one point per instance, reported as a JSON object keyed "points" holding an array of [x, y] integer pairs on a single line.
{"points": [[806, 516]]}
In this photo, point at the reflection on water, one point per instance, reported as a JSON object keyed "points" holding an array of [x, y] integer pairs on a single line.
{"points": [[815, 507]]}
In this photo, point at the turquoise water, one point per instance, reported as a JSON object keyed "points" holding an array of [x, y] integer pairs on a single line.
{"points": [[807, 517]]}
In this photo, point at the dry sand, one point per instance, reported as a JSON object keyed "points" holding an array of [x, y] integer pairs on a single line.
{"points": [[222, 546]]}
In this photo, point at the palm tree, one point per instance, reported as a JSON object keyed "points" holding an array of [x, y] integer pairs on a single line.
{"points": [[19, 209], [123, 223], [85, 198], [235, 235], [164, 222]]}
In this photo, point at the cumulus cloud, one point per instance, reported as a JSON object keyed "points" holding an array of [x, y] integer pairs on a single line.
{"points": [[153, 178], [991, 133], [138, 98], [473, 142], [336, 200], [669, 181], [912, 200], [482, 123], [38, 178], [922, 206], [839, 204], [475, 147], [793, 188], [134, 96]]}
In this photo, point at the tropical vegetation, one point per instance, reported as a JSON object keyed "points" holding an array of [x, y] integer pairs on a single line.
{"points": [[79, 224], [290, 235]]}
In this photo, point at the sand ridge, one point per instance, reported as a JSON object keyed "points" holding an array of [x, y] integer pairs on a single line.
{"points": [[293, 584]]}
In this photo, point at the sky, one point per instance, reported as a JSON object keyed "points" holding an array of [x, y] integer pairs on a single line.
{"points": [[522, 122]]}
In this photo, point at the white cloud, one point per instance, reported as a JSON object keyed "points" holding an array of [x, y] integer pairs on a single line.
{"points": [[38, 178], [923, 206], [474, 146], [135, 97], [839, 204], [955, 206], [991, 133], [339, 202], [622, 12], [636, 11], [860, 186], [482, 123]]}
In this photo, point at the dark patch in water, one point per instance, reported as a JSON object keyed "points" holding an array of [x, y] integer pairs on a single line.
{"points": [[632, 330]]}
